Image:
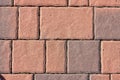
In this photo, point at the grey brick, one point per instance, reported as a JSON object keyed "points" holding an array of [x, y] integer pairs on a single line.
{"points": [[61, 77], [5, 2], [8, 23], [83, 56], [107, 23]]}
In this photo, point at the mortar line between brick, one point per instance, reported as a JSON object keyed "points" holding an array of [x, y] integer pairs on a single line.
{"points": [[11, 56], [33, 77], [66, 54], [109, 76], [67, 3], [93, 23], [12, 1], [89, 76], [45, 57], [88, 3], [39, 23], [17, 22]]}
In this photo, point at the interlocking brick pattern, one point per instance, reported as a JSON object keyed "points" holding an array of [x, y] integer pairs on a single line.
{"points": [[59, 39]]}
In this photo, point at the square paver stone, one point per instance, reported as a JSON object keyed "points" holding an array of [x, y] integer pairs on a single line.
{"points": [[28, 56], [83, 57], [107, 23]]}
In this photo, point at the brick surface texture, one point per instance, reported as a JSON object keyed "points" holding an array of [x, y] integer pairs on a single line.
{"points": [[59, 39]]}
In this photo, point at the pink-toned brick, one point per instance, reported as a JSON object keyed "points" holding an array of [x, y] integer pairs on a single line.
{"points": [[66, 23], [115, 77], [41, 2], [104, 2], [28, 56], [17, 76], [28, 23], [78, 2], [110, 56], [5, 52], [99, 77], [55, 55]]}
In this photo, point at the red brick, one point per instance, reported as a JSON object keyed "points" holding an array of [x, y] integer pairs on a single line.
{"points": [[5, 52], [28, 56], [110, 55], [66, 23], [78, 2], [55, 55], [17, 76], [115, 77], [105, 2], [28, 23], [99, 77], [41, 2], [8, 22]]}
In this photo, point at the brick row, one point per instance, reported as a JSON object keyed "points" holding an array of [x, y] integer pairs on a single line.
{"points": [[28, 56], [61, 76], [61, 2], [60, 23]]}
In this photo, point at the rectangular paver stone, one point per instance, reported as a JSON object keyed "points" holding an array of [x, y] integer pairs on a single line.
{"points": [[17, 76], [104, 2], [28, 23], [5, 2], [66, 23], [55, 56], [83, 56], [41, 2], [5, 52], [61, 77], [107, 23], [78, 2], [110, 56], [115, 77], [28, 56], [8, 26], [99, 77]]}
